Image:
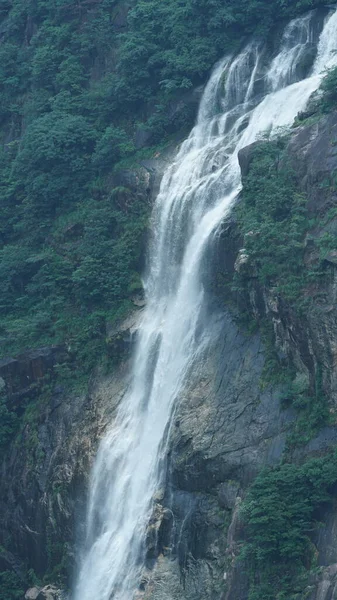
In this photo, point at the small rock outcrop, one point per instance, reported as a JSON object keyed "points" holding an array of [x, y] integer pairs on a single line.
{"points": [[48, 592]]}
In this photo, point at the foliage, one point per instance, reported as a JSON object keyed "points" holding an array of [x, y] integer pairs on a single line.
{"points": [[52, 168], [113, 146], [171, 45], [275, 370], [65, 293], [274, 220], [8, 421], [281, 512], [311, 406], [329, 89], [11, 587], [77, 81]]}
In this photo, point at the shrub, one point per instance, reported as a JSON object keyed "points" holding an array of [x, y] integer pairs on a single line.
{"points": [[281, 512]]}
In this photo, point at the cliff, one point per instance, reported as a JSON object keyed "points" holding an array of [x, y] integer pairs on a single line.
{"points": [[94, 97], [235, 417]]}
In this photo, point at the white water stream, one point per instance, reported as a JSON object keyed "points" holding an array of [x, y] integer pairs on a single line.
{"points": [[240, 103]]}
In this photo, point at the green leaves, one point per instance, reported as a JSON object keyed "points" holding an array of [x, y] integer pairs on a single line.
{"points": [[78, 81], [112, 146], [11, 586], [329, 88], [53, 164], [279, 512], [8, 423], [273, 219]]}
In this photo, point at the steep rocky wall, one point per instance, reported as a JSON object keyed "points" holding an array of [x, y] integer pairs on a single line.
{"points": [[225, 429], [227, 426], [44, 476]]}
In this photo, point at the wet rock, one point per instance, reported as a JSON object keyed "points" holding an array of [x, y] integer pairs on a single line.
{"points": [[32, 593], [246, 156], [43, 480], [159, 495], [122, 337], [228, 427], [138, 300], [152, 532], [331, 257], [22, 372], [242, 261], [228, 492], [49, 592]]}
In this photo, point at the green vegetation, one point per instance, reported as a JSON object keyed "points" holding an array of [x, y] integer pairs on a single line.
{"points": [[329, 89], [282, 256], [274, 220], [311, 406], [77, 81], [171, 45], [8, 420], [281, 513], [11, 586], [70, 239], [283, 505]]}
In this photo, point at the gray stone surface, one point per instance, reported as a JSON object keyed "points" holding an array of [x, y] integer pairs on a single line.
{"points": [[226, 427]]}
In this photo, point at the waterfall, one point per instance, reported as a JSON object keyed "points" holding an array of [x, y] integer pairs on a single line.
{"points": [[240, 103]]}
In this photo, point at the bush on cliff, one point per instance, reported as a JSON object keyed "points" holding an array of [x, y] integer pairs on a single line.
{"points": [[281, 513], [273, 219], [329, 89]]}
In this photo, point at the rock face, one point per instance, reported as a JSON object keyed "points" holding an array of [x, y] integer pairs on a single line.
{"points": [[44, 475], [227, 427], [32, 593], [49, 592], [43, 478], [21, 373]]}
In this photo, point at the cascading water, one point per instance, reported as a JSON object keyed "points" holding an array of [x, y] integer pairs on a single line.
{"points": [[196, 193]]}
